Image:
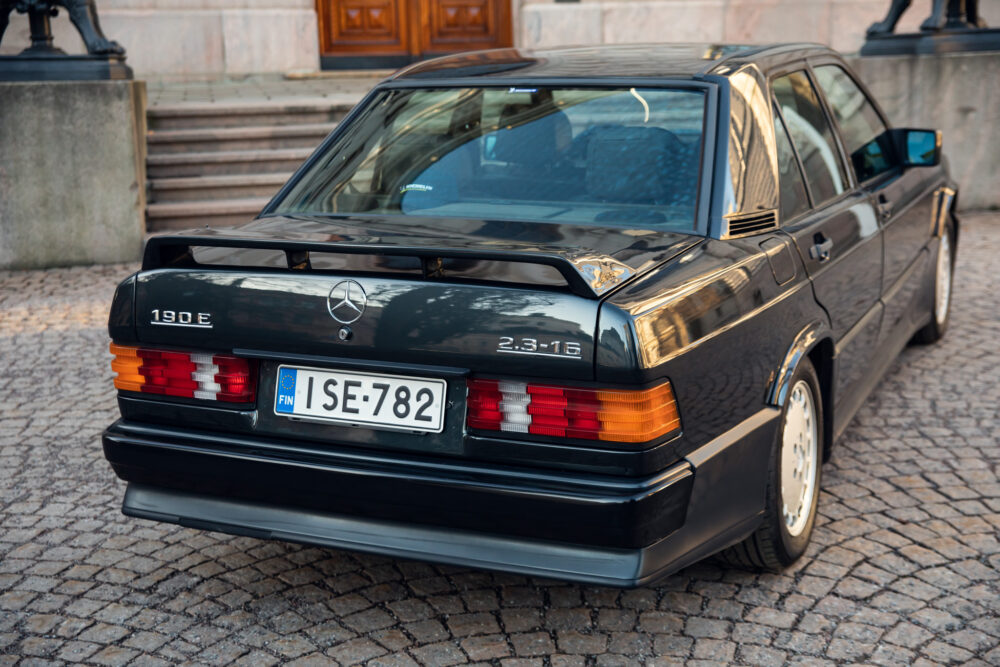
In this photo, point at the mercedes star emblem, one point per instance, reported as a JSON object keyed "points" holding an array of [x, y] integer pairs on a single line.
{"points": [[346, 301]]}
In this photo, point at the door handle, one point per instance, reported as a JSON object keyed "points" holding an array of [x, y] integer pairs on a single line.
{"points": [[884, 208], [821, 249]]}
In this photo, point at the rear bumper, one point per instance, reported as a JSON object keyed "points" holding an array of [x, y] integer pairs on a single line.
{"points": [[601, 511], [611, 531]]}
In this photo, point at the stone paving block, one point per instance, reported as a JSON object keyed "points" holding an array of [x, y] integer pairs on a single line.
{"points": [[533, 643], [488, 647], [442, 653], [568, 619], [355, 651], [577, 642]]}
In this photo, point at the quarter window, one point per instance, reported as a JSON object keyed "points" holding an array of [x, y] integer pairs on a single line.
{"points": [[812, 135], [865, 135]]}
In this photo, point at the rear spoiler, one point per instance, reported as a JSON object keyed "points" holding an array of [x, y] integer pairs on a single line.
{"points": [[587, 274]]}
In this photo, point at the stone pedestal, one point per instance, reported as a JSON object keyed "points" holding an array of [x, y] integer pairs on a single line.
{"points": [[939, 42], [72, 173], [955, 93], [63, 68]]}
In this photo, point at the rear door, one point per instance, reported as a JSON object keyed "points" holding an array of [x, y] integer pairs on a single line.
{"points": [[838, 236], [903, 198]]}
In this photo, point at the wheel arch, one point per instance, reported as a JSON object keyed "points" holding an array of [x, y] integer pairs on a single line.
{"points": [[948, 212], [815, 343]]}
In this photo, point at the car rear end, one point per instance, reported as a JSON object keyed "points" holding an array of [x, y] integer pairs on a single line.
{"points": [[250, 404], [402, 356]]}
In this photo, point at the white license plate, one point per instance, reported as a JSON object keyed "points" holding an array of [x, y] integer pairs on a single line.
{"points": [[361, 399]]}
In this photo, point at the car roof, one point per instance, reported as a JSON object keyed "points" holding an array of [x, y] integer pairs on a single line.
{"points": [[608, 61]]}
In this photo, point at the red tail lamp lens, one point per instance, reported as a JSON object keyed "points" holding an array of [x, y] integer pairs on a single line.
{"points": [[200, 375], [617, 415]]}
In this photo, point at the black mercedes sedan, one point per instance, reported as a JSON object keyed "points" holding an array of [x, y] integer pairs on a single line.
{"points": [[591, 314]]}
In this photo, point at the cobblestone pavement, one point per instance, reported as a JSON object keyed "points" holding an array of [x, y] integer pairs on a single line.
{"points": [[904, 567]]}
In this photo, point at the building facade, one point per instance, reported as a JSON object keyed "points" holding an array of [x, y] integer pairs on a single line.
{"points": [[209, 38]]}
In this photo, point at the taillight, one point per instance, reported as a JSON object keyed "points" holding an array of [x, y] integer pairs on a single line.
{"points": [[618, 415], [212, 377]]}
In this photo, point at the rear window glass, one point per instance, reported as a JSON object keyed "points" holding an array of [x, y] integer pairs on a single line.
{"points": [[627, 157]]}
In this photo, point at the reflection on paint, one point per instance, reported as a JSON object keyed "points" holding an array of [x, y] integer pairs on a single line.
{"points": [[753, 156], [867, 222]]}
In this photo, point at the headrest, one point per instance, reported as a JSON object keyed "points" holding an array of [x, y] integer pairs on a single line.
{"points": [[631, 164], [535, 142]]}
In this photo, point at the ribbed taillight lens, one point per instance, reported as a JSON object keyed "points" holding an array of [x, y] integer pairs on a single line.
{"points": [[212, 377], [618, 415]]}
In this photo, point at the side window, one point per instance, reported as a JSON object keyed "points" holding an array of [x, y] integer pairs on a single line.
{"points": [[794, 199], [811, 133], [865, 135]]}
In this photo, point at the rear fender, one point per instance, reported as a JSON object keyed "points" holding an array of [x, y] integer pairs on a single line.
{"points": [[815, 342], [804, 341]]}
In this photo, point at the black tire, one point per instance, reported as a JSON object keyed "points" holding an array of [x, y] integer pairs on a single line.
{"points": [[934, 330], [772, 546]]}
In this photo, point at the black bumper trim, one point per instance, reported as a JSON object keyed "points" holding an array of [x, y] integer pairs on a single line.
{"points": [[723, 499], [594, 565], [595, 510]]}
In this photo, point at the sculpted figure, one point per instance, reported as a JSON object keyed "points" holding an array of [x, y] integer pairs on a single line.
{"points": [[83, 14], [960, 14]]}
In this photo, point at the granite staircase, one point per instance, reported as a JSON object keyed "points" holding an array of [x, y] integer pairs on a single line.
{"points": [[218, 163]]}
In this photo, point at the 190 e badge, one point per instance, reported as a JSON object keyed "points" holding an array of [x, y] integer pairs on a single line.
{"points": [[181, 318]]}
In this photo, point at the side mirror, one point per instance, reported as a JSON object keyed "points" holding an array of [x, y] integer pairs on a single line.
{"points": [[918, 148]]}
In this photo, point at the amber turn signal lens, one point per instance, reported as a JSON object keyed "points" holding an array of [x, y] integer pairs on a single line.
{"points": [[617, 415], [126, 365], [638, 416]]}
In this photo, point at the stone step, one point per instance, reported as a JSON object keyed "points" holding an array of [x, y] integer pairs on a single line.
{"points": [[299, 111], [168, 216], [217, 163], [210, 188], [201, 140]]}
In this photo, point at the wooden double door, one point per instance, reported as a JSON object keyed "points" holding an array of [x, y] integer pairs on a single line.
{"points": [[392, 33]]}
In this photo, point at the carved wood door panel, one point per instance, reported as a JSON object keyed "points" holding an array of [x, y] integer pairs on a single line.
{"points": [[357, 27], [394, 32], [460, 25]]}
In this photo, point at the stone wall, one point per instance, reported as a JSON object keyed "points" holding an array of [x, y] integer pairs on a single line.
{"points": [[196, 38], [956, 94], [838, 23]]}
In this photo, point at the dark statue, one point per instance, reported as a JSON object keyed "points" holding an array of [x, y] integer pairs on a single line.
{"points": [[43, 61], [83, 14], [961, 14], [953, 26]]}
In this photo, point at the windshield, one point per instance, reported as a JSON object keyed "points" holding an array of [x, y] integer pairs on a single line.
{"points": [[620, 157]]}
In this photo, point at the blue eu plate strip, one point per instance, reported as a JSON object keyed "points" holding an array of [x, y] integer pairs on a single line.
{"points": [[285, 399]]}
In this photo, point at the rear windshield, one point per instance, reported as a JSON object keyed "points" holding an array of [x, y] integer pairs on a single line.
{"points": [[621, 157]]}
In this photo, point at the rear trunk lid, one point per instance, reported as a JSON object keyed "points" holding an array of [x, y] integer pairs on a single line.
{"points": [[518, 299]]}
